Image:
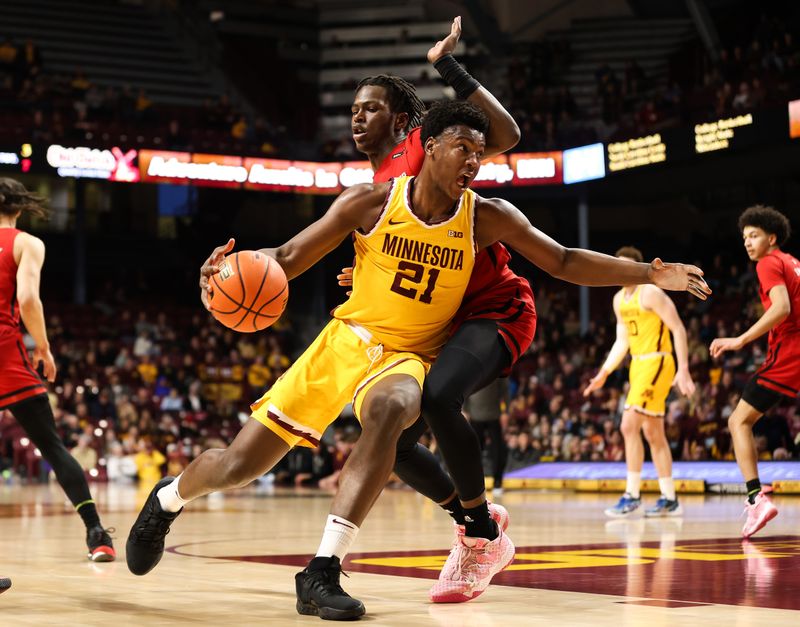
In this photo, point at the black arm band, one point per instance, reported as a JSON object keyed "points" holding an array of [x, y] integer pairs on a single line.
{"points": [[456, 76]]}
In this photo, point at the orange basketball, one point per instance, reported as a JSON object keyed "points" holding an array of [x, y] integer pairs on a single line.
{"points": [[249, 293]]}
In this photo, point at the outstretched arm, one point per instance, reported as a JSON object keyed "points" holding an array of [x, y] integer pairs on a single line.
{"points": [[499, 220], [356, 207], [503, 132], [778, 312]]}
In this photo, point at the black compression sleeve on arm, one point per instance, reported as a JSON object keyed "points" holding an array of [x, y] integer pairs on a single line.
{"points": [[456, 76]]}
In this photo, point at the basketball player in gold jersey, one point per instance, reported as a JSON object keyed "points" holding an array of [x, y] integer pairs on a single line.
{"points": [[645, 318], [415, 242]]}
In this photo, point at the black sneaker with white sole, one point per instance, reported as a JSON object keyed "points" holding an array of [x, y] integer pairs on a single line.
{"points": [[145, 544]]}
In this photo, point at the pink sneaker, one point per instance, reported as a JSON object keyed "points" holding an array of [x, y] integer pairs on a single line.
{"points": [[499, 515], [758, 514], [470, 567]]}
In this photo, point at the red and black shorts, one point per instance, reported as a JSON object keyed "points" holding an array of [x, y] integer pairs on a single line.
{"points": [[18, 380], [778, 377], [516, 324]]}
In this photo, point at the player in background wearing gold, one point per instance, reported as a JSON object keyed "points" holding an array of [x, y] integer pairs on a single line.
{"points": [[764, 231], [645, 318]]}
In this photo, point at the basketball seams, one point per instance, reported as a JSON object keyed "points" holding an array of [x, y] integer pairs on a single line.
{"points": [[249, 307], [228, 296], [255, 298]]}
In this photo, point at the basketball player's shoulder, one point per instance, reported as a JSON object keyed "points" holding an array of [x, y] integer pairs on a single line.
{"points": [[648, 294], [29, 244], [364, 195]]}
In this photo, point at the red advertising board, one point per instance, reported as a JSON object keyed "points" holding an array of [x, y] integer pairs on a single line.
{"points": [[537, 168]]}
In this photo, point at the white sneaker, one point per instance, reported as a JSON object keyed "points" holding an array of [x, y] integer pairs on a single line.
{"points": [[470, 567]]}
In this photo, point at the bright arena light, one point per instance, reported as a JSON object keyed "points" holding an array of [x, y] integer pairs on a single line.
{"points": [[98, 432], [93, 472], [37, 452], [24, 441], [103, 424]]}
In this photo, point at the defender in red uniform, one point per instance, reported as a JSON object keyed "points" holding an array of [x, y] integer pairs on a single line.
{"points": [[764, 230], [22, 391], [494, 326]]}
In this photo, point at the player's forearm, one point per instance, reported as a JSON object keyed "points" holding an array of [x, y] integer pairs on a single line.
{"points": [[32, 313], [772, 318], [681, 347], [615, 356], [586, 267], [503, 133]]}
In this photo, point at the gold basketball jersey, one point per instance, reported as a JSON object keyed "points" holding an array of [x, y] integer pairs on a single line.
{"points": [[410, 276], [647, 333]]}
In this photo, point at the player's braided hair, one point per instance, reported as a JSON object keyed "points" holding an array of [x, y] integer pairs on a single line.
{"points": [[402, 97], [769, 220], [14, 198]]}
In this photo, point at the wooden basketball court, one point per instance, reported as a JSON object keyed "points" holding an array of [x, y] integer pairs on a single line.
{"points": [[231, 560]]}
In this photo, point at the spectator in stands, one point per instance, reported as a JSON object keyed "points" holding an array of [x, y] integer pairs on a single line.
{"points": [[121, 468], [84, 454], [8, 55], [148, 463]]}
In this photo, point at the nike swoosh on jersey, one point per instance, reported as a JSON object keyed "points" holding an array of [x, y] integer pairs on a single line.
{"points": [[393, 223]]}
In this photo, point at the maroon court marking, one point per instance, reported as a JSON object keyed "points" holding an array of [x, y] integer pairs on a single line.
{"points": [[759, 581]]}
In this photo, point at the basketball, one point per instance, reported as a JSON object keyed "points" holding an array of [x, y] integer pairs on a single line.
{"points": [[249, 293]]}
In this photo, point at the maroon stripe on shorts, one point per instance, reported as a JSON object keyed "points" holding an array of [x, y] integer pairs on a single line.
{"points": [[293, 430]]}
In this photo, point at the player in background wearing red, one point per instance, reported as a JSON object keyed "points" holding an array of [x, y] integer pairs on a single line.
{"points": [[764, 231], [22, 391], [493, 327]]}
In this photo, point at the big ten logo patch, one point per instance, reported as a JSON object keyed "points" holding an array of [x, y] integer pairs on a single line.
{"points": [[456, 234], [649, 394], [226, 271]]}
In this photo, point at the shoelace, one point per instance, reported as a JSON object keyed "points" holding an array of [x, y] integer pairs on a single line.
{"points": [[149, 532], [471, 557], [105, 533], [330, 576]]}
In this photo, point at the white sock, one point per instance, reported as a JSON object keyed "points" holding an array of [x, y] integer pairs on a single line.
{"points": [[169, 497], [667, 486], [337, 538], [634, 484]]}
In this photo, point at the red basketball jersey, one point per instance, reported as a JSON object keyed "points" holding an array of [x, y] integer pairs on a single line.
{"points": [[9, 312], [405, 159], [780, 268], [494, 291], [18, 379]]}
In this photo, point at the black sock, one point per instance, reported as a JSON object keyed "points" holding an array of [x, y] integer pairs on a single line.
{"points": [[455, 509], [753, 488], [478, 523], [88, 512]]}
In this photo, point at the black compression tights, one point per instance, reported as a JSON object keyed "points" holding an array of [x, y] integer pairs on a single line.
{"points": [[474, 357], [36, 417]]}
